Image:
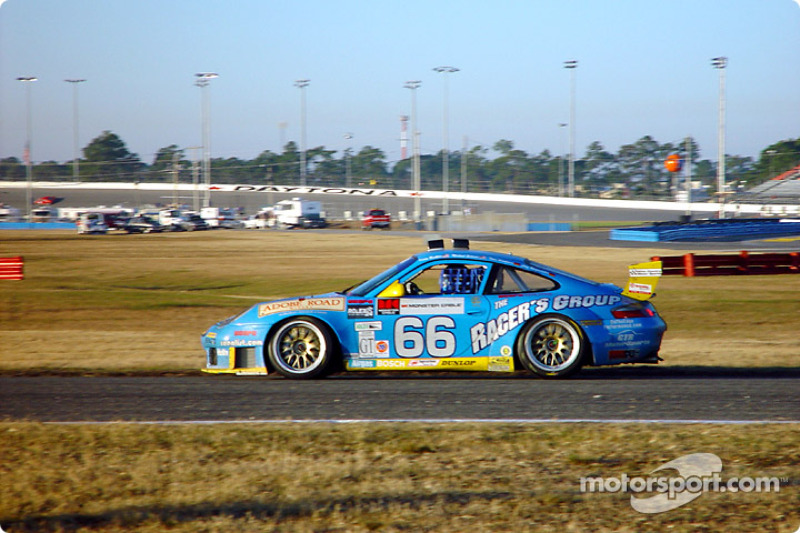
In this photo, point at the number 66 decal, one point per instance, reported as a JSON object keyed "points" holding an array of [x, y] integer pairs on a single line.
{"points": [[410, 341]]}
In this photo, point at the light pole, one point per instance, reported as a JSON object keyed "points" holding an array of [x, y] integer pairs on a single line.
{"points": [[561, 125], [720, 63], [195, 176], [415, 165], [348, 166], [302, 84], [688, 177], [571, 65], [464, 173], [203, 79], [27, 80], [76, 174], [445, 139], [771, 154]]}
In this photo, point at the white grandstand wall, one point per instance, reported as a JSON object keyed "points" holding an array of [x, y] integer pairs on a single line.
{"points": [[731, 208]]}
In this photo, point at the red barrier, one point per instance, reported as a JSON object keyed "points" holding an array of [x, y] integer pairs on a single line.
{"points": [[745, 263], [11, 268]]}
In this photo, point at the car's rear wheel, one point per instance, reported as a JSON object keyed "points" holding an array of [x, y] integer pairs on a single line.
{"points": [[301, 348], [551, 346]]}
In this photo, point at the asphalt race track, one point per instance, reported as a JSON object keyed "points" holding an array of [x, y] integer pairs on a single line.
{"points": [[644, 394]]}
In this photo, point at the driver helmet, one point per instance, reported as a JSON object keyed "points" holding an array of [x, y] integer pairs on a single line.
{"points": [[458, 279]]}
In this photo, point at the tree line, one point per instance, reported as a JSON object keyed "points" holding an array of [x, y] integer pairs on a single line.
{"points": [[635, 170]]}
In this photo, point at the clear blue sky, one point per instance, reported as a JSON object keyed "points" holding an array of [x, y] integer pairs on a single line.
{"points": [[644, 69]]}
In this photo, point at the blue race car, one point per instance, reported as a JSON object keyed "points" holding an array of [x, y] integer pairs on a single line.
{"points": [[447, 309]]}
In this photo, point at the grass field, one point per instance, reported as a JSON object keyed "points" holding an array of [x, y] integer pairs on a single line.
{"points": [[415, 477], [138, 304]]}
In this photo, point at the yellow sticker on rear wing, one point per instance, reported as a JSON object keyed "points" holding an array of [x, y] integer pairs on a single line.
{"points": [[642, 281]]}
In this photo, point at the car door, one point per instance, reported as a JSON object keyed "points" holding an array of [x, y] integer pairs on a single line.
{"points": [[426, 315], [514, 297]]}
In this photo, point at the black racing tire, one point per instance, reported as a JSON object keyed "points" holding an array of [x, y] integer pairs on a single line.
{"points": [[301, 348], [551, 346]]}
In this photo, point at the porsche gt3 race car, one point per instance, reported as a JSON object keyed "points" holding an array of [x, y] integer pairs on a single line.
{"points": [[447, 309]]}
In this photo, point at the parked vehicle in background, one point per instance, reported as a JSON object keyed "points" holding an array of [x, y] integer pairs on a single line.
{"points": [[141, 224], [46, 200], [265, 218], [220, 217], [9, 214], [299, 213], [170, 219], [192, 222], [92, 223], [74, 213], [376, 218], [115, 221], [43, 214]]}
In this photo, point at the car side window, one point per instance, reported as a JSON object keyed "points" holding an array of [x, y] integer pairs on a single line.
{"points": [[448, 278], [512, 280]]}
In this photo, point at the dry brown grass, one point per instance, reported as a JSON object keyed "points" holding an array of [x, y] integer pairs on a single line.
{"points": [[391, 477], [140, 302]]}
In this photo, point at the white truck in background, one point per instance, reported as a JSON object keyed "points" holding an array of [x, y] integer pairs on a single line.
{"points": [[9, 214], [91, 223], [170, 218], [220, 217], [298, 213]]}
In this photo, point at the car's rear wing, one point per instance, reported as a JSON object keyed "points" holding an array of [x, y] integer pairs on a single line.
{"points": [[642, 281]]}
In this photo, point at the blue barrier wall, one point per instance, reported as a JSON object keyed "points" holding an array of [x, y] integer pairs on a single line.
{"points": [[710, 230], [549, 226], [38, 225]]}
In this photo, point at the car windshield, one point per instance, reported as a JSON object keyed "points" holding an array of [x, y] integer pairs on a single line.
{"points": [[365, 288]]}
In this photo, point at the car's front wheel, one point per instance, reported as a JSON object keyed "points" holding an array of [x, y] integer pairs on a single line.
{"points": [[301, 348], [551, 346]]}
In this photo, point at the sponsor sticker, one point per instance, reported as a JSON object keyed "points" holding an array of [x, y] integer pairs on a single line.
{"points": [[433, 306], [640, 288], [501, 364], [564, 301], [644, 272], [302, 304], [360, 311], [240, 343], [366, 344], [368, 326], [458, 362], [389, 306], [361, 364], [369, 347], [391, 363], [499, 304], [627, 323], [423, 363], [483, 334], [626, 336]]}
